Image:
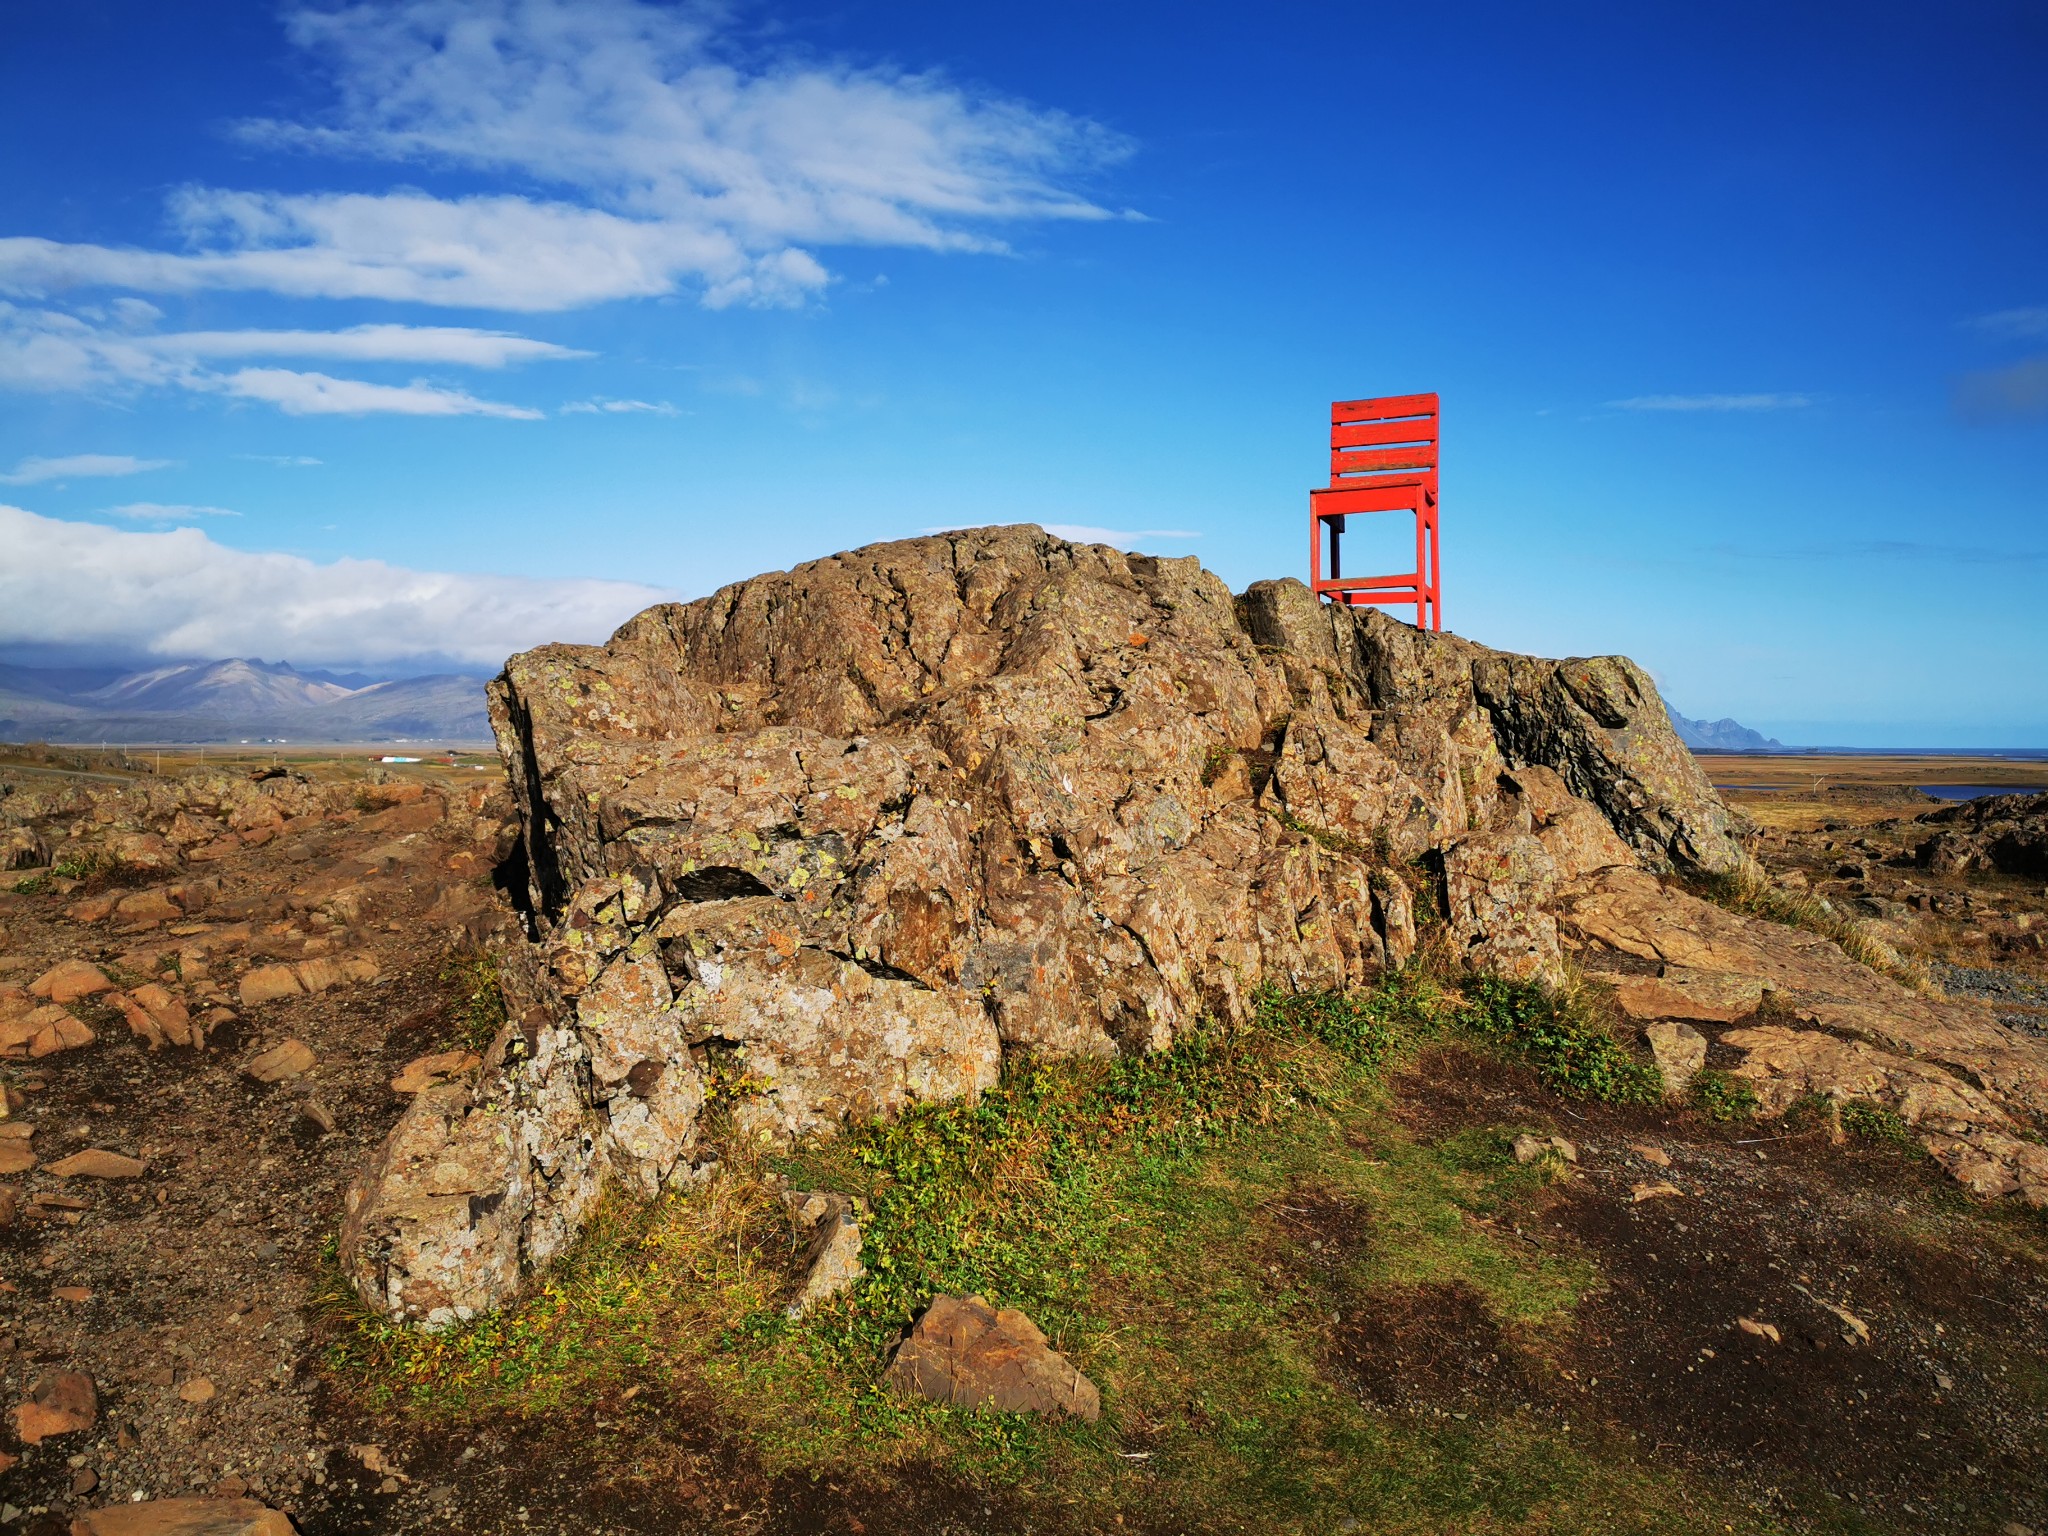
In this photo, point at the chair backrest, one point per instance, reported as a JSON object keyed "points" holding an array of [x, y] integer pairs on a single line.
{"points": [[1387, 441]]}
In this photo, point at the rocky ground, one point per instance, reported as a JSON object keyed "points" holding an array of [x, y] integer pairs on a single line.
{"points": [[241, 990]]}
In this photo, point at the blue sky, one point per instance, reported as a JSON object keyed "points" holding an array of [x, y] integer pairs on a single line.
{"points": [[405, 334]]}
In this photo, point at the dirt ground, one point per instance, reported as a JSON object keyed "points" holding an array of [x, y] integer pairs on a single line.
{"points": [[1896, 1366]]}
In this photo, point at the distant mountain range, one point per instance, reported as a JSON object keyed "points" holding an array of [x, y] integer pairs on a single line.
{"points": [[1721, 735], [236, 700]]}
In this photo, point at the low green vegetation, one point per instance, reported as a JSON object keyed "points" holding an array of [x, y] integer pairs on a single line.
{"points": [[79, 866], [1878, 1122], [1720, 1096], [1561, 1035], [1209, 1232]]}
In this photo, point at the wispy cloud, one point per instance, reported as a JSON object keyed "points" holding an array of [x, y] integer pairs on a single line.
{"points": [[602, 406], [102, 352], [2015, 393], [1758, 402], [1083, 533], [669, 164], [2028, 322], [458, 345], [164, 512], [316, 394], [177, 594], [79, 466]]}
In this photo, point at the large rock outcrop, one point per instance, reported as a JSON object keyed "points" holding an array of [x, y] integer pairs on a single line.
{"points": [[2008, 833], [829, 842]]}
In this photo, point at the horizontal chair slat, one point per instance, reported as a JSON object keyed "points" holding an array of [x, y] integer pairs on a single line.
{"points": [[1383, 408], [1367, 433]]}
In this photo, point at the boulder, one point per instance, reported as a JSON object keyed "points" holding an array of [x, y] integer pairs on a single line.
{"points": [[2001, 832], [1701, 997], [833, 840], [967, 1354]]}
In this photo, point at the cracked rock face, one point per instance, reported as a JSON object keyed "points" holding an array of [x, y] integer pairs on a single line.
{"points": [[831, 841]]}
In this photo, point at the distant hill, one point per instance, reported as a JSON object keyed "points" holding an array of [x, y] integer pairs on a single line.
{"points": [[236, 700], [1721, 735]]}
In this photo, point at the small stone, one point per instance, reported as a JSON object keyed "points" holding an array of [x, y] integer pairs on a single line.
{"points": [[1659, 1189], [1750, 1325], [10, 1205], [60, 1403], [72, 1293], [1680, 1052], [199, 1389], [183, 1517], [268, 983], [70, 981], [97, 1163], [318, 1115], [426, 1072], [287, 1059], [1530, 1149], [1656, 1157], [833, 1263], [83, 1481], [15, 1156]]}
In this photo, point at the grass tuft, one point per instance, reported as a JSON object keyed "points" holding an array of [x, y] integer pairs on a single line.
{"points": [[1748, 890], [479, 998]]}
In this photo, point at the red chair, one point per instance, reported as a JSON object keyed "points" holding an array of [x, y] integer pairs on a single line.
{"points": [[1382, 459]]}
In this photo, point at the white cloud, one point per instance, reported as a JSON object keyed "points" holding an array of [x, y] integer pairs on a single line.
{"points": [[178, 594], [1712, 403], [2032, 321], [316, 394], [603, 406], [77, 466], [670, 164], [457, 345], [164, 512], [1083, 533]]}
